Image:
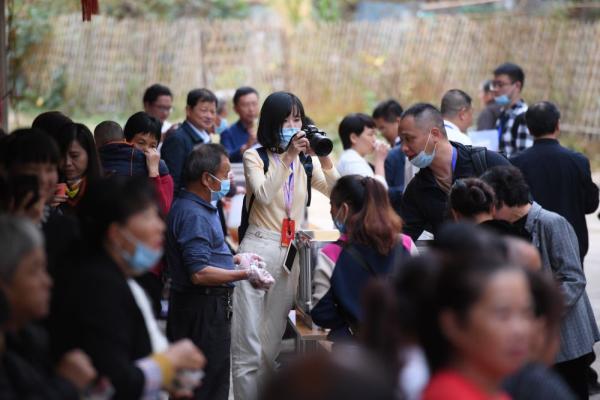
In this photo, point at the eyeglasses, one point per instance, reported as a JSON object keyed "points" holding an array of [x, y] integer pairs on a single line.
{"points": [[165, 109], [499, 85]]}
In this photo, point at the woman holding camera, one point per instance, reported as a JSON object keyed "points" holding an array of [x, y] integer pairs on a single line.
{"points": [[275, 200]]}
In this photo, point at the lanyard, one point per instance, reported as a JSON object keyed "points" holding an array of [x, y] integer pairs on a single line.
{"points": [[288, 190], [454, 157]]}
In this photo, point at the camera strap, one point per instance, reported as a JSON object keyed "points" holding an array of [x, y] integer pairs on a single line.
{"points": [[308, 168]]}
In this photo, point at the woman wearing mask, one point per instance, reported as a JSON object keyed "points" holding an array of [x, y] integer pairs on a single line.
{"points": [[104, 311], [361, 210], [277, 198], [79, 163], [480, 329]]}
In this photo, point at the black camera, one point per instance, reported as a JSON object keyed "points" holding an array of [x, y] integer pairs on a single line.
{"points": [[318, 140]]}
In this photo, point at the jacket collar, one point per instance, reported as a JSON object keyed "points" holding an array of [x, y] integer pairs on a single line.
{"points": [[533, 216], [187, 127]]}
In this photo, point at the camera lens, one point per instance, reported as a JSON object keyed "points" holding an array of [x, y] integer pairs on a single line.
{"points": [[321, 145]]}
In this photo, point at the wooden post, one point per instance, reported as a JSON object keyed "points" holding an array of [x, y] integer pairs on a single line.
{"points": [[3, 69]]}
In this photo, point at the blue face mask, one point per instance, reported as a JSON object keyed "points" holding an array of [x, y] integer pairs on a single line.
{"points": [[503, 100], [225, 187], [286, 136], [143, 257], [339, 225], [424, 160]]}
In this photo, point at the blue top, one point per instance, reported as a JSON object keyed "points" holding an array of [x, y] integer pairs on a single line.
{"points": [[394, 175], [233, 138], [194, 240]]}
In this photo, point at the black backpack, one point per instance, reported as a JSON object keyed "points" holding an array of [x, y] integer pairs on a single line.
{"points": [[478, 158], [262, 152]]}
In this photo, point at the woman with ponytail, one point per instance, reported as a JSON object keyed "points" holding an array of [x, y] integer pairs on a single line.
{"points": [[369, 244]]}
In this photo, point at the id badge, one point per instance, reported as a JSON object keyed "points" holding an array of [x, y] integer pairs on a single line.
{"points": [[288, 230]]}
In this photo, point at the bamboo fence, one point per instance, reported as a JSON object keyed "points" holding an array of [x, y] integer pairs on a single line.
{"points": [[335, 68]]}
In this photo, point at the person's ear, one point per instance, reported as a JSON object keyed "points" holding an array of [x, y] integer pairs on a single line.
{"points": [[206, 179], [450, 326], [436, 133], [519, 85], [113, 234], [353, 138]]}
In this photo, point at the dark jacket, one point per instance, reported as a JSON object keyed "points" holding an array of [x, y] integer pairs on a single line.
{"points": [[176, 148], [424, 204], [29, 371], [123, 159], [340, 308], [394, 176], [99, 315], [560, 180]]}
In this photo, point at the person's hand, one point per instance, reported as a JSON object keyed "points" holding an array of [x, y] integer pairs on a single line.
{"points": [[381, 150], [260, 278], [298, 144], [183, 354], [76, 367], [244, 260], [152, 161]]}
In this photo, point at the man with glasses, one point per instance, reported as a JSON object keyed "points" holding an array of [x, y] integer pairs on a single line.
{"points": [[513, 135]]}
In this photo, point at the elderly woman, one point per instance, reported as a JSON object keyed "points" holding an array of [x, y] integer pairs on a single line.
{"points": [[26, 286]]}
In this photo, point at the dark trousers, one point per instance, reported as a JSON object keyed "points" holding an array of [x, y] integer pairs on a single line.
{"points": [[204, 319], [575, 374]]}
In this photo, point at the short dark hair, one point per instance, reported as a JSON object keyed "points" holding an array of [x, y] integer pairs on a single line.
{"points": [[471, 196], [509, 185], [201, 96], [514, 72], [51, 122], [107, 131], [542, 118], [353, 123], [389, 110], [204, 158], [274, 111], [25, 146], [155, 91], [242, 91], [113, 199], [487, 86], [453, 101], [141, 122], [425, 112], [80, 133]]}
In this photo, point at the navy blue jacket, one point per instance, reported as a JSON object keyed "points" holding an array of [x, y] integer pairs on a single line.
{"points": [[394, 176], [122, 159], [177, 146], [340, 306], [233, 138], [560, 180]]}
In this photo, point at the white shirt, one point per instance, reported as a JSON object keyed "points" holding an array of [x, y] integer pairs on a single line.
{"points": [[201, 134], [455, 135], [166, 125], [352, 163]]}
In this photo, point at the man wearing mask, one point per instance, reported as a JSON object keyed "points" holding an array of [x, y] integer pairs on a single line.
{"points": [[202, 268], [241, 136], [441, 162], [513, 135]]}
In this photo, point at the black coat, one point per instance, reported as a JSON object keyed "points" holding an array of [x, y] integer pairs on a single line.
{"points": [[98, 314], [27, 370], [560, 180], [424, 203]]}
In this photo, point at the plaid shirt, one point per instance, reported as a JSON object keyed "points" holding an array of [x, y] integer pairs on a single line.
{"points": [[513, 135]]}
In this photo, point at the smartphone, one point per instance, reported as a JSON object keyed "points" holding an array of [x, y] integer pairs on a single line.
{"points": [[21, 186], [292, 250]]}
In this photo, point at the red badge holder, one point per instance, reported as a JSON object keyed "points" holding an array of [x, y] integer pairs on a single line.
{"points": [[288, 230]]}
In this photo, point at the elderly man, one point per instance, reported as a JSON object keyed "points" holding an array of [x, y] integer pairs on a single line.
{"points": [[441, 162], [555, 238], [203, 271]]}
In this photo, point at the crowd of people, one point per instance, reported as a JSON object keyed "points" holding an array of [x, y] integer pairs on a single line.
{"points": [[119, 277]]}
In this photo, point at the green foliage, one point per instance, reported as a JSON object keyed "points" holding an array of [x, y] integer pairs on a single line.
{"points": [[332, 10]]}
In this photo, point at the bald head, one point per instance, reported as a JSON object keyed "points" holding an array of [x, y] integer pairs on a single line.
{"points": [[107, 131], [426, 117]]}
